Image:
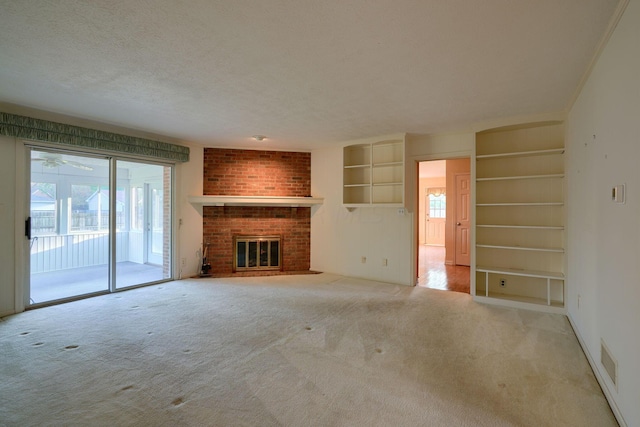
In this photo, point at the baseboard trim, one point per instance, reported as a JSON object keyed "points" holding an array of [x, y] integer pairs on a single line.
{"points": [[596, 371]]}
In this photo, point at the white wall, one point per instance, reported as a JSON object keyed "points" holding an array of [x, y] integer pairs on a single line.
{"points": [[189, 217], [339, 238], [603, 150], [7, 227]]}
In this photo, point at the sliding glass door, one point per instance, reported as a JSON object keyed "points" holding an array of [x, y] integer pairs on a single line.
{"points": [[145, 256], [97, 224]]}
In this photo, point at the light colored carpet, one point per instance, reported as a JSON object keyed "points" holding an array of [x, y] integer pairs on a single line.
{"points": [[310, 350]]}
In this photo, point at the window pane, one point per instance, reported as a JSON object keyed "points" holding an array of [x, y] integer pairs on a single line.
{"points": [[143, 214], [275, 261], [69, 249], [241, 255], [438, 206], [264, 254], [43, 208], [253, 254]]}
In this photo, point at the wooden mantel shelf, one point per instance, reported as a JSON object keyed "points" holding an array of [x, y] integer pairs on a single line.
{"points": [[281, 201]]}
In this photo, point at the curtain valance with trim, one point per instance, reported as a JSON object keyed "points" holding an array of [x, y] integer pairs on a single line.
{"points": [[60, 133], [436, 191]]}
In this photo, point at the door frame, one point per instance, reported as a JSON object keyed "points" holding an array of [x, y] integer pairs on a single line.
{"points": [[414, 195], [22, 245]]}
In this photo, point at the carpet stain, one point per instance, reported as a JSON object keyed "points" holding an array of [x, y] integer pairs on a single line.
{"points": [[25, 333], [135, 306], [308, 328], [186, 351], [38, 344], [178, 401], [378, 350], [71, 347], [125, 388]]}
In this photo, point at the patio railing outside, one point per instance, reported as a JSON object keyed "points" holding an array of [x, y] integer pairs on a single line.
{"points": [[59, 252]]}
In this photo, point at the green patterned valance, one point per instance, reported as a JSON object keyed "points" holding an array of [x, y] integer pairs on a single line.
{"points": [[60, 133]]}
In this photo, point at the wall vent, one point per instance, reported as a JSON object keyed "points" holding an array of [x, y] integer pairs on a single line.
{"points": [[610, 364]]}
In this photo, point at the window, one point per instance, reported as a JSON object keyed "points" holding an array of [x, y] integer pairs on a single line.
{"points": [[438, 206], [43, 208]]}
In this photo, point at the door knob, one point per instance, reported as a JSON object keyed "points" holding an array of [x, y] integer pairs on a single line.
{"points": [[458, 223]]}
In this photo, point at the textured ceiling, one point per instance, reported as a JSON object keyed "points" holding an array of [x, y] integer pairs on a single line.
{"points": [[304, 72]]}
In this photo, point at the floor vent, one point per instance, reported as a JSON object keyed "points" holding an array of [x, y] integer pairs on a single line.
{"points": [[609, 363]]}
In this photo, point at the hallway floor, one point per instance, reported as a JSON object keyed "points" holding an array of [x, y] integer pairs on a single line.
{"points": [[434, 274]]}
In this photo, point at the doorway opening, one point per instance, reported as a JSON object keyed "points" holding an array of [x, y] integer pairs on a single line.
{"points": [[444, 224]]}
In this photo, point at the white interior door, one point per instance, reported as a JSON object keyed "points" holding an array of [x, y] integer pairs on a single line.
{"points": [[463, 220], [435, 219]]}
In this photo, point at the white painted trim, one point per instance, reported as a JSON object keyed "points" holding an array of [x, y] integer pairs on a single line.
{"points": [[255, 201], [21, 269], [510, 303]]}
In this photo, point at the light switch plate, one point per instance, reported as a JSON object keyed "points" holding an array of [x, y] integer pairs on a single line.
{"points": [[618, 193]]}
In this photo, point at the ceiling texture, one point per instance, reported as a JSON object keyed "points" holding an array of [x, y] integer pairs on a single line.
{"points": [[304, 73]]}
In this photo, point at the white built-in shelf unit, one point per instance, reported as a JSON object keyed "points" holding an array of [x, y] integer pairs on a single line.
{"points": [[519, 224], [373, 174]]}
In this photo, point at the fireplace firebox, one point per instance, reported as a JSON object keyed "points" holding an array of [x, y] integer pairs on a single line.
{"points": [[256, 253]]}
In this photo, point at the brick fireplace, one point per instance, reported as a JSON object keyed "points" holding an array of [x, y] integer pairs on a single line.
{"points": [[230, 172]]}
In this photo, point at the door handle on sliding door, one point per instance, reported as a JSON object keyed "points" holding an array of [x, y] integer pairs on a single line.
{"points": [[27, 228]]}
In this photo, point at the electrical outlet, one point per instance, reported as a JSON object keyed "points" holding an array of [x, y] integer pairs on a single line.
{"points": [[503, 283], [363, 260], [401, 211], [384, 262], [183, 262], [579, 298]]}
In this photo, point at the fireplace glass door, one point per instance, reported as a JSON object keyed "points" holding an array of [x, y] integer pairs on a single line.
{"points": [[256, 253]]}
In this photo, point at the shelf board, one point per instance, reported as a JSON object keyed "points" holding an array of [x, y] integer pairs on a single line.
{"points": [[351, 206], [522, 153], [522, 302], [521, 248], [533, 227], [386, 144], [282, 201], [509, 178], [375, 184], [522, 204], [356, 166], [382, 164], [356, 185], [521, 272]]}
